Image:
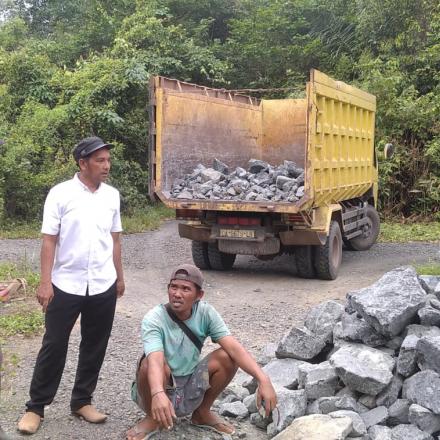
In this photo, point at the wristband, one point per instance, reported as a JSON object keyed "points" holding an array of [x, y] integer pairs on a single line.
{"points": [[157, 392]]}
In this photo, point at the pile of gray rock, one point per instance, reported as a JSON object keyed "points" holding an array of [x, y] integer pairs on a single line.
{"points": [[368, 369], [260, 182]]}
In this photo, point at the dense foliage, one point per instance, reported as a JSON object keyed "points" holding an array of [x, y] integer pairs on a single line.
{"points": [[71, 68]]}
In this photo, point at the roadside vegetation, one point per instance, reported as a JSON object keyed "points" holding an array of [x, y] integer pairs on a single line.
{"points": [[20, 315], [432, 268], [72, 68], [150, 218], [396, 232], [140, 220]]}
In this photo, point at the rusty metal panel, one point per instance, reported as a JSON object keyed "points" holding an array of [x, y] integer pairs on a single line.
{"points": [[340, 153], [284, 131], [194, 232], [301, 237], [194, 127]]}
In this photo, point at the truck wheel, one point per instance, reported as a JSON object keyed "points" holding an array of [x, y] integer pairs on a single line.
{"points": [[328, 258], [304, 261], [219, 260], [199, 250], [370, 232]]}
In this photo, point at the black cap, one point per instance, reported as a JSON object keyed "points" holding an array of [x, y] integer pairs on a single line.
{"points": [[87, 146]]}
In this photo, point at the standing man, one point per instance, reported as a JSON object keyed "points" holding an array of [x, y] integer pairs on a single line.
{"points": [[81, 274], [171, 379]]}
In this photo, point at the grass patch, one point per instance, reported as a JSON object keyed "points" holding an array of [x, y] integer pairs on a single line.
{"points": [[25, 323], [428, 269], [16, 229], [9, 271], [146, 219], [404, 232]]}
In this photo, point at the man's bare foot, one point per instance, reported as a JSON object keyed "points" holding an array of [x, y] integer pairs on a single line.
{"points": [[208, 420], [139, 431]]}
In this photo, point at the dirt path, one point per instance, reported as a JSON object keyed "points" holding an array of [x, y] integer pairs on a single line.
{"points": [[259, 301]]}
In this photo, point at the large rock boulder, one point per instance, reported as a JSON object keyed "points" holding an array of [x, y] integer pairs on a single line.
{"points": [[391, 303], [424, 419], [326, 405], [407, 360], [407, 432], [233, 409], [317, 427], [291, 404], [431, 283], [423, 388], [322, 318], [428, 353], [362, 368], [318, 380], [429, 315], [282, 373], [376, 416], [390, 394], [378, 432], [356, 329], [300, 343], [398, 412], [359, 427], [422, 330]]}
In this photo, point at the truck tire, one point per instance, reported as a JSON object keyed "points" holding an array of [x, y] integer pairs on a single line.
{"points": [[219, 260], [304, 261], [199, 250], [328, 257], [369, 236]]}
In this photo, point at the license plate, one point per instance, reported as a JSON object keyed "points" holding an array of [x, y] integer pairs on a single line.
{"points": [[237, 233]]}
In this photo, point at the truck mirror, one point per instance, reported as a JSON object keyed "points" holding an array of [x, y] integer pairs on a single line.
{"points": [[388, 151]]}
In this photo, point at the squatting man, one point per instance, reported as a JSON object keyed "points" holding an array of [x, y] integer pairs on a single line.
{"points": [[171, 380]]}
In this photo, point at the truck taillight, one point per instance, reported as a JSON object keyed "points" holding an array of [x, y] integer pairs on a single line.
{"points": [[242, 221], [189, 214], [249, 221], [295, 218]]}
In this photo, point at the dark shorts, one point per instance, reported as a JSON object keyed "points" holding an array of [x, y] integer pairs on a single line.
{"points": [[185, 392]]}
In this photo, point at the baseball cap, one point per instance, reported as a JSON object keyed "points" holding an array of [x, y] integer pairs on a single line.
{"points": [[87, 146], [188, 272]]}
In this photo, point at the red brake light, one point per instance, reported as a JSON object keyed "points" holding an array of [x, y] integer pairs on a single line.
{"points": [[242, 221]]}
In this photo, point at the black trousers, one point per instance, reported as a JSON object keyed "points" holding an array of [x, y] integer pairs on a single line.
{"points": [[97, 313]]}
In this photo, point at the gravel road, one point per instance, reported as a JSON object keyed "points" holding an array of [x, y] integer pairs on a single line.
{"points": [[259, 301]]}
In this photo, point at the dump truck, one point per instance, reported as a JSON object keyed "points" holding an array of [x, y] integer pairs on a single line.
{"points": [[329, 133]]}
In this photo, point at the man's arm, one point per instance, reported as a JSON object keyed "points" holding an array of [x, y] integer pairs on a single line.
{"points": [[247, 363], [162, 409], [117, 261], [47, 257]]}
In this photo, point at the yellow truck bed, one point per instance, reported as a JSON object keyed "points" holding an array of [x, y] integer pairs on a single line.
{"points": [[330, 134]]}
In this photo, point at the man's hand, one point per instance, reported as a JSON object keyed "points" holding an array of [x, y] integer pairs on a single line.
{"points": [[162, 410], [120, 288], [45, 294], [267, 393]]}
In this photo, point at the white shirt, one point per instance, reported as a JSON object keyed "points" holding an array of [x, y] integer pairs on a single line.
{"points": [[83, 221]]}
